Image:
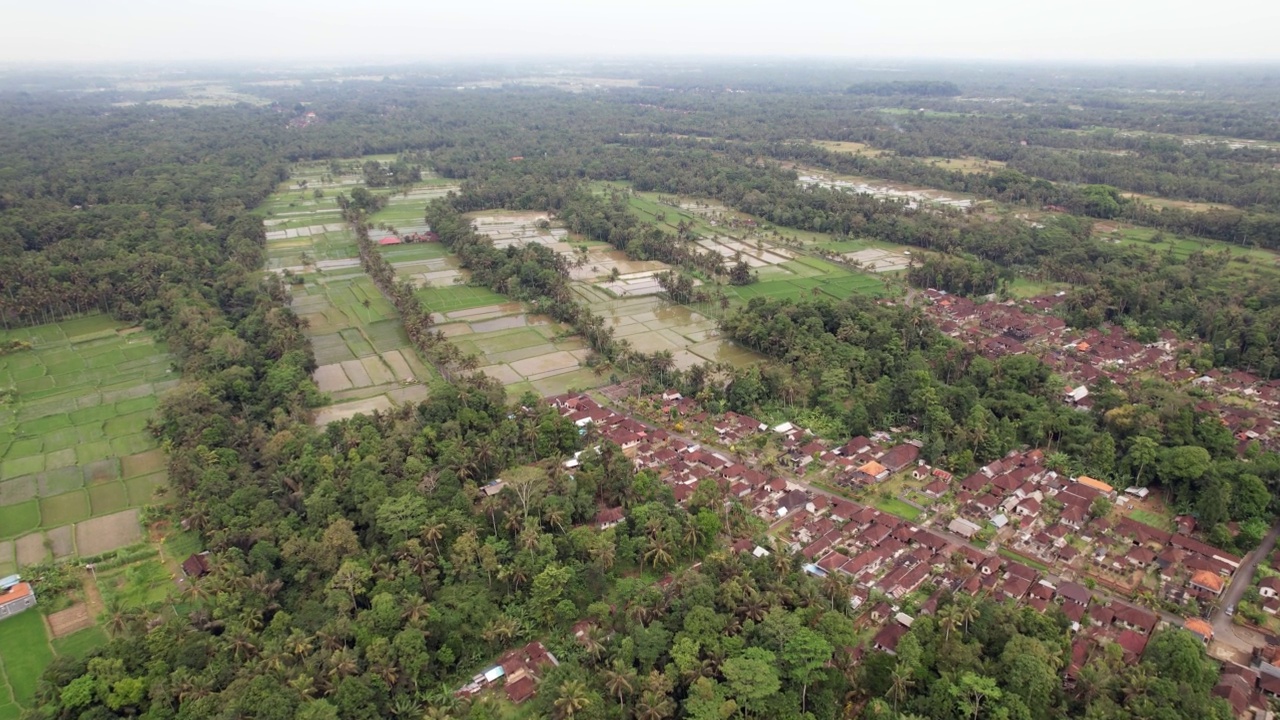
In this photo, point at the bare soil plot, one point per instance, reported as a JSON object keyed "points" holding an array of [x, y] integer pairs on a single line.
{"points": [[109, 532], [912, 196], [66, 622], [852, 148]]}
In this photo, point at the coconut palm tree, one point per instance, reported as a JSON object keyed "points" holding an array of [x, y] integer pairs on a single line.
{"points": [[572, 697], [949, 618], [900, 681], [433, 533]]}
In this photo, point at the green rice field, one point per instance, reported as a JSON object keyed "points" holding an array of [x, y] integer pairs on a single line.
{"points": [[24, 654], [74, 442]]}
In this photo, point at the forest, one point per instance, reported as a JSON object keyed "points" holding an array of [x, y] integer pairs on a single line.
{"points": [[361, 570]]}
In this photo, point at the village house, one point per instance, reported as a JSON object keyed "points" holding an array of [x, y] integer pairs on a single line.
{"points": [[15, 596]]}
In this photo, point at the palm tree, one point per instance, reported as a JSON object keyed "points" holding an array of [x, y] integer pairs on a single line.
{"points": [[900, 682], [654, 705], [593, 643], [949, 617], [571, 698], [433, 533], [415, 609], [968, 610], [405, 705], [659, 553]]}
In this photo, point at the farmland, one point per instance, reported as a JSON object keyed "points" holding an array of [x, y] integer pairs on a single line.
{"points": [[364, 357], [783, 264], [77, 458], [24, 654]]}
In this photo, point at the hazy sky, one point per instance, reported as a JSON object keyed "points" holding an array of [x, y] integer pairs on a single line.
{"points": [[379, 30]]}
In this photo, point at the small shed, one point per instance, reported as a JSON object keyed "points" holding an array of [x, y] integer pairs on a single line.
{"points": [[390, 240]]}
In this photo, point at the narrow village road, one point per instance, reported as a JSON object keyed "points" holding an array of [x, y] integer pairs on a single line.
{"points": [[1241, 580]]}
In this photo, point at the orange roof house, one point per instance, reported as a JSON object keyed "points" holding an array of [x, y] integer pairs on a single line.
{"points": [[1095, 484], [874, 469], [1199, 627], [1207, 580], [15, 597]]}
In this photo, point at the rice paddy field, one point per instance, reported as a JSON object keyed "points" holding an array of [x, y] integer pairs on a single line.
{"points": [[784, 268], [76, 458], [24, 654], [364, 357]]}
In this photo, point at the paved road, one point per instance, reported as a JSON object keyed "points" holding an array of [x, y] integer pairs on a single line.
{"points": [[1241, 580]]}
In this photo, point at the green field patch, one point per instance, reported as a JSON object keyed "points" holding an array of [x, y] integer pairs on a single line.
{"points": [[78, 644], [132, 444], [25, 653], [356, 341], [65, 365], [331, 349], [24, 447], [894, 506], [44, 425], [19, 519], [135, 405], [137, 586], [413, 252], [35, 385], [129, 424], [108, 498], [33, 370], [142, 489], [93, 451], [63, 439], [1149, 518], [387, 335], [91, 432], [94, 414], [64, 509], [22, 466], [88, 325], [450, 298]]}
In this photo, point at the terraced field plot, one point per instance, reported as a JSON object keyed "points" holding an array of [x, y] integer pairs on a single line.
{"points": [[365, 359], [653, 324], [75, 451], [405, 208]]}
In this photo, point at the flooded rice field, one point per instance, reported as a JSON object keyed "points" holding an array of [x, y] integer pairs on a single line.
{"points": [[884, 190]]}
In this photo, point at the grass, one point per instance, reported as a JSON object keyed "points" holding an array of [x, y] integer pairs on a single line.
{"points": [[24, 654], [452, 298], [1026, 287], [894, 506], [1154, 520], [140, 585], [79, 643], [1006, 552]]}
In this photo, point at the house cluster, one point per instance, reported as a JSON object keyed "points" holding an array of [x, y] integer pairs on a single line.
{"points": [[1084, 357], [996, 329], [519, 669], [678, 462], [1251, 691], [859, 462]]}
